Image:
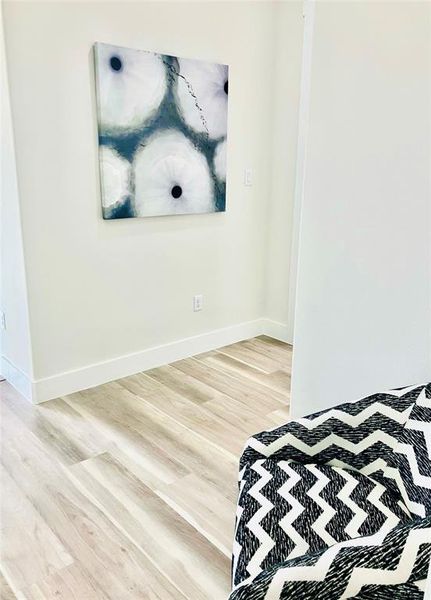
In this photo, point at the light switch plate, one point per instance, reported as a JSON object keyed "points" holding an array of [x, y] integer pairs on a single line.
{"points": [[248, 177]]}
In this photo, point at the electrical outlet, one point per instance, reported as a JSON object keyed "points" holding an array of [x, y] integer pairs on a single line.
{"points": [[2, 320], [248, 177], [198, 302]]}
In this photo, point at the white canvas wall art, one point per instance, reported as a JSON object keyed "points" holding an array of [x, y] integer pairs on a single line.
{"points": [[162, 124]]}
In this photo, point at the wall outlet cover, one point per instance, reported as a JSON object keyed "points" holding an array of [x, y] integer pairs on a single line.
{"points": [[198, 302]]}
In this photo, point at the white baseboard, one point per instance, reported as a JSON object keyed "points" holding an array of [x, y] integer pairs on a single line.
{"points": [[17, 378], [277, 330], [76, 380], [122, 366]]}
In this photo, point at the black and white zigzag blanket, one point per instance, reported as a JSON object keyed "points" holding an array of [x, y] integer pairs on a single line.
{"points": [[338, 504], [377, 566]]}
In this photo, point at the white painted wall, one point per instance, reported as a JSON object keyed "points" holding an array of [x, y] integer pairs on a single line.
{"points": [[102, 293], [15, 354], [287, 76], [363, 319]]}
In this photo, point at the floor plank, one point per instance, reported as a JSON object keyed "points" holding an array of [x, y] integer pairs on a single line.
{"points": [[277, 380], [127, 491], [33, 546], [122, 570], [5, 590], [203, 505], [236, 387], [71, 583], [180, 551]]}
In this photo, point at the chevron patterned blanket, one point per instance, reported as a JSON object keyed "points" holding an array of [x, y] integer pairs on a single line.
{"points": [[338, 504]]}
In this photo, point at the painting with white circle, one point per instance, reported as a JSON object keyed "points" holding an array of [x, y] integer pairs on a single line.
{"points": [[162, 124]]}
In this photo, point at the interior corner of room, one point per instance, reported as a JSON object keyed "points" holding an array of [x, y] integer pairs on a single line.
{"points": [[86, 301], [215, 216]]}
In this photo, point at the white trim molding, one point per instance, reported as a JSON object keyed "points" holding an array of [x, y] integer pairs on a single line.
{"points": [[17, 378], [277, 330], [301, 155], [68, 382]]}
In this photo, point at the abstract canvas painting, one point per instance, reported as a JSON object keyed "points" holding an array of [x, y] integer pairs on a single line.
{"points": [[162, 124]]}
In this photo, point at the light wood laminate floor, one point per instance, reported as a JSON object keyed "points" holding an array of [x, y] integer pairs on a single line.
{"points": [[128, 490]]}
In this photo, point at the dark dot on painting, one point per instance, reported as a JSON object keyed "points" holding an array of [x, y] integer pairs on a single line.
{"points": [[116, 64], [226, 87], [176, 191]]}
